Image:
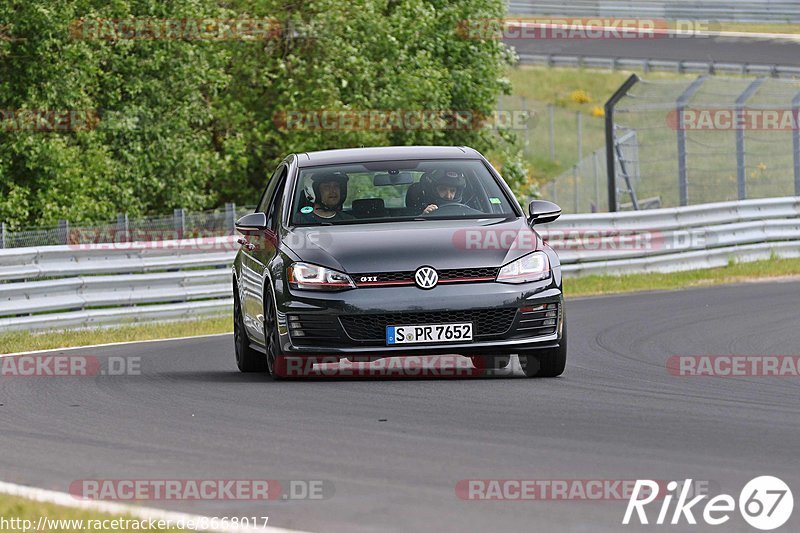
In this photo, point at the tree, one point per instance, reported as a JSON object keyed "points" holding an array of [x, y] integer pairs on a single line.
{"points": [[185, 122]]}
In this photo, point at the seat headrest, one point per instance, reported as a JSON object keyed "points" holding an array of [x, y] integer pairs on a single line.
{"points": [[415, 197]]}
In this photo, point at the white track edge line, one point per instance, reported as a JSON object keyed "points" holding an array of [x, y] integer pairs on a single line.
{"points": [[146, 513]]}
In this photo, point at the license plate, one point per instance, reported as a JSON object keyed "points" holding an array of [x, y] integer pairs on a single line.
{"points": [[429, 333]]}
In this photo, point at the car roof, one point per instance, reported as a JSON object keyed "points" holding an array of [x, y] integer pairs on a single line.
{"points": [[388, 153]]}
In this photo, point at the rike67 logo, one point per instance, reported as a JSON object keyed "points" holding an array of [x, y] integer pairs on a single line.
{"points": [[766, 503]]}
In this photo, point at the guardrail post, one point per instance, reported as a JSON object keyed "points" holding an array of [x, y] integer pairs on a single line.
{"points": [[796, 142], [230, 218], [2, 235], [123, 234], [611, 141], [179, 218], [579, 124], [680, 106], [63, 231], [741, 172]]}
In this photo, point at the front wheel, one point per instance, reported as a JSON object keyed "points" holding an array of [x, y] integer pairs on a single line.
{"points": [[247, 359], [546, 363], [279, 366]]}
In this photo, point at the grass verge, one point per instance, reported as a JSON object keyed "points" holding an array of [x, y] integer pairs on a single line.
{"points": [[16, 511], [733, 273], [22, 341]]}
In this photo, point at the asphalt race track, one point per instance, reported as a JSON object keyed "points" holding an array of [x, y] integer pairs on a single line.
{"points": [[705, 49], [617, 413]]}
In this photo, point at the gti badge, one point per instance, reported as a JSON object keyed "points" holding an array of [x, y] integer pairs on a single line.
{"points": [[426, 277]]}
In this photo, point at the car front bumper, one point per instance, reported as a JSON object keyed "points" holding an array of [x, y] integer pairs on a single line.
{"points": [[314, 324]]}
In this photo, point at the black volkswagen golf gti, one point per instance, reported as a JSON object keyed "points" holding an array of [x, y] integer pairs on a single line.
{"points": [[380, 252]]}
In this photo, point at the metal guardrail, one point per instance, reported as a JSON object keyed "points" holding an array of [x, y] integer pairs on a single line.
{"points": [[89, 285], [723, 10], [648, 65], [676, 239], [79, 286]]}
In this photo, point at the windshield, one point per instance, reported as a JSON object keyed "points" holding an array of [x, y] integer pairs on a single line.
{"points": [[397, 190]]}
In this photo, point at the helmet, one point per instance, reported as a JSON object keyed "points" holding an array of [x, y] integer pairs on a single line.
{"points": [[448, 177], [323, 177]]}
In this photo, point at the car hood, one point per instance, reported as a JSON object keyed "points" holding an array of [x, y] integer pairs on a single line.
{"points": [[405, 246]]}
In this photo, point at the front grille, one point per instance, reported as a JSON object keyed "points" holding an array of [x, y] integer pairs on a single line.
{"points": [[445, 276], [486, 322], [468, 273]]}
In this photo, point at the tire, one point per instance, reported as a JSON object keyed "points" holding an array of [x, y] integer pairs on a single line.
{"points": [[547, 363], [279, 366], [247, 359]]}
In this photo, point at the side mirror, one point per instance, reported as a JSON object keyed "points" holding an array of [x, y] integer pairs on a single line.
{"points": [[542, 212], [252, 223]]}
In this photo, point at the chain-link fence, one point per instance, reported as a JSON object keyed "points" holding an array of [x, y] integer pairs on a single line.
{"points": [[709, 140], [182, 224], [552, 136]]}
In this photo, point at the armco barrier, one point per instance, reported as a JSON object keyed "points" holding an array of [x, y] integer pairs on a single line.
{"points": [[59, 287]]}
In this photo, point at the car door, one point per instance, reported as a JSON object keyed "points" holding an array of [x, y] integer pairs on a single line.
{"points": [[257, 256]]}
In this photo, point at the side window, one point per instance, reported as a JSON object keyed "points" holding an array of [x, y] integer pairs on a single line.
{"points": [[267, 196], [273, 212]]}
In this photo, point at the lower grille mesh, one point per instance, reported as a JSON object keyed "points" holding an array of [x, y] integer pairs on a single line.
{"points": [[486, 322]]}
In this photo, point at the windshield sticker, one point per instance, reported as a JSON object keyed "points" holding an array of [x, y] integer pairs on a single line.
{"points": [[494, 200], [307, 209]]}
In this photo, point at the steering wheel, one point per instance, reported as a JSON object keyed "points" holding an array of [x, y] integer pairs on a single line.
{"points": [[455, 208]]}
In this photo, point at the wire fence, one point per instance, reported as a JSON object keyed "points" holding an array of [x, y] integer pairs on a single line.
{"points": [[681, 143], [183, 224]]}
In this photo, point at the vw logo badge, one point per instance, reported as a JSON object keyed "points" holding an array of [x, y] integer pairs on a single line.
{"points": [[426, 277]]}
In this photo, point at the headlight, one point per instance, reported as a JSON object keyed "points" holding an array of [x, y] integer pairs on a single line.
{"points": [[532, 267], [306, 276]]}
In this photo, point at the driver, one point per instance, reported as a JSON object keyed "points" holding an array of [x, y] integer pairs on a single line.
{"points": [[330, 192], [444, 188]]}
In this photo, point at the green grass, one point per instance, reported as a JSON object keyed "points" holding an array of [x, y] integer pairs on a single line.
{"points": [[753, 27], [732, 273], [13, 507], [21, 341]]}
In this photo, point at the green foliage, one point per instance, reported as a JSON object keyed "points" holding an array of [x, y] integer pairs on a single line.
{"points": [[191, 123]]}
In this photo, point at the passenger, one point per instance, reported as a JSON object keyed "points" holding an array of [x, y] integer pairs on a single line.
{"points": [[330, 192]]}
